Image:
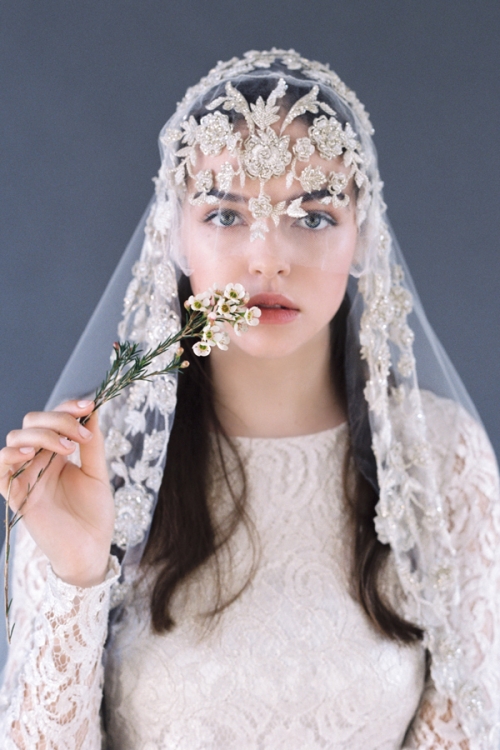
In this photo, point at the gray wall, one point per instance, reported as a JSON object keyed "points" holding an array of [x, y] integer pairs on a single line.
{"points": [[86, 86]]}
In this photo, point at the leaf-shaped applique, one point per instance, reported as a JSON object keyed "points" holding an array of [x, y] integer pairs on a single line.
{"points": [[190, 128], [236, 101], [119, 468], [307, 103], [264, 114], [329, 111], [295, 209], [216, 102], [278, 210], [180, 174], [277, 93]]}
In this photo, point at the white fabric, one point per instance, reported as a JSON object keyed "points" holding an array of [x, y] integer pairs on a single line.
{"points": [[293, 662]]}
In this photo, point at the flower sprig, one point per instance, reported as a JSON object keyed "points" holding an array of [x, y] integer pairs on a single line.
{"points": [[208, 314], [222, 306]]}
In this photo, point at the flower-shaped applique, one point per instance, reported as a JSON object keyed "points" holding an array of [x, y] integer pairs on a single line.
{"points": [[266, 155]]}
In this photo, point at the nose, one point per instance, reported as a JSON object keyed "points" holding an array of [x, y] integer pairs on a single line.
{"points": [[268, 258]]}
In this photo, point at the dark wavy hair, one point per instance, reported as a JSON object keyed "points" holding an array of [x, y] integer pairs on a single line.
{"points": [[183, 535]]}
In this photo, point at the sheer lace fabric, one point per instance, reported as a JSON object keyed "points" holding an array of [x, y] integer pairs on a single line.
{"points": [[293, 662], [51, 696]]}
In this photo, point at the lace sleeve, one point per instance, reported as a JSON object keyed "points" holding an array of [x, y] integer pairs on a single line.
{"points": [[471, 503], [52, 687], [436, 726]]}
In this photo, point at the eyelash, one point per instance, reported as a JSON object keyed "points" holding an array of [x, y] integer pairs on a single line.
{"points": [[322, 215], [218, 213]]}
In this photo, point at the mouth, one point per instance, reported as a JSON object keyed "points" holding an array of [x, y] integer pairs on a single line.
{"points": [[271, 301], [276, 309]]}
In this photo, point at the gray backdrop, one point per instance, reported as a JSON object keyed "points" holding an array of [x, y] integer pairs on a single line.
{"points": [[86, 87]]}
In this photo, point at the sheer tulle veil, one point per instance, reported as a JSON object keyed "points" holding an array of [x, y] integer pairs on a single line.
{"points": [[388, 332]]}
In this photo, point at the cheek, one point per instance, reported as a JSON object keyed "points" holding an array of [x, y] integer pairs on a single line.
{"points": [[207, 272], [326, 290]]}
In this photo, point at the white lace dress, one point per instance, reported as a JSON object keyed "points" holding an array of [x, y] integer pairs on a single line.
{"points": [[293, 663]]}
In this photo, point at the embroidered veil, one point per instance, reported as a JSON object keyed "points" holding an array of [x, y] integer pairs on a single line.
{"points": [[387, 333]]}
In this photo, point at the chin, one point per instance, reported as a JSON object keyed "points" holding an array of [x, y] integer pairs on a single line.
{"points": [[276, 342]]}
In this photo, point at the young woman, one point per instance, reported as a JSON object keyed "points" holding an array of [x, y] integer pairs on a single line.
{"points": [[313, 562]]}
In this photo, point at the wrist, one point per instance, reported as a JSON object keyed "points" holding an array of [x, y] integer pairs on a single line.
{"points": [[86, 576]]}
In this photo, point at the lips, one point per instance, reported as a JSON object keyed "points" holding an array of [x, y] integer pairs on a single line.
{"points": [[267, 300], [275, 308]]}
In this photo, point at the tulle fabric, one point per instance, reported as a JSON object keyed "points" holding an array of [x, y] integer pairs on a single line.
{"points": [[400, 356]]}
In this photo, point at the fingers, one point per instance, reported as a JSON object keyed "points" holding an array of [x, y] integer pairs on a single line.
{"points": [[59, 422], [80, 408], [92, 454], [56, 431]]}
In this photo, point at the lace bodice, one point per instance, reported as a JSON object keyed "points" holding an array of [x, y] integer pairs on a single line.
{"points": [[293, 662]]}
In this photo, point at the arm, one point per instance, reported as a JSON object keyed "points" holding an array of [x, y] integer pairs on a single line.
{"points": [[470, 493], [436, 726], [52, 688], [51, 695]]}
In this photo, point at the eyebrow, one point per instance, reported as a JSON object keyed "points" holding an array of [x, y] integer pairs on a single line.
{"points": [[316, 195]]}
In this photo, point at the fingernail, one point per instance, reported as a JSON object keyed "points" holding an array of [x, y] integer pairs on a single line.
{"points": [[84, 404], [26, 450], [67, 443], [84, 432]]}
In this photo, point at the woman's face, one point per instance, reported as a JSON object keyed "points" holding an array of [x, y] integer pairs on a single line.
{"points": [[297, 273]]}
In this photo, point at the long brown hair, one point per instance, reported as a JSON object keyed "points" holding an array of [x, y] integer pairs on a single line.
{"points": [[183, 534]]}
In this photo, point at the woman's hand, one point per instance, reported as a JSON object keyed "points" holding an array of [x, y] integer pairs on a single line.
{"points": [[70, 513]]}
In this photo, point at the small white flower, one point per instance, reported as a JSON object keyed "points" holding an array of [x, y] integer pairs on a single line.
{"points": [[226, 308], [234, 292], [201, 349], [252, 316], [240, 327], [200, 302], [222, 340]]}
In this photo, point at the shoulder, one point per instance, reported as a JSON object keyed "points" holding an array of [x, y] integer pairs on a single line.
{"points": [[467, 474], [459, 446]]}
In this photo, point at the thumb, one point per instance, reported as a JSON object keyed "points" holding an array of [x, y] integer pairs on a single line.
{"points": [[92, 454]]}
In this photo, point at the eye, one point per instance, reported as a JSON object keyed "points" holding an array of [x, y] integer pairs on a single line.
{"points": [[223, 217], [316, 220]]}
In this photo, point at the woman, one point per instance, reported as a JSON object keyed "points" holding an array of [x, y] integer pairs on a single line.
{"points": [[320, 567]]}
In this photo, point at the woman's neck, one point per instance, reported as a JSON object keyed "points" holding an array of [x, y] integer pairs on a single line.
{"points": [[278, 397]]}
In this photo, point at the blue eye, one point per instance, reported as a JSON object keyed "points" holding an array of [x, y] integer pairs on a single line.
{"points": [[316, 220], [223, 217]]}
